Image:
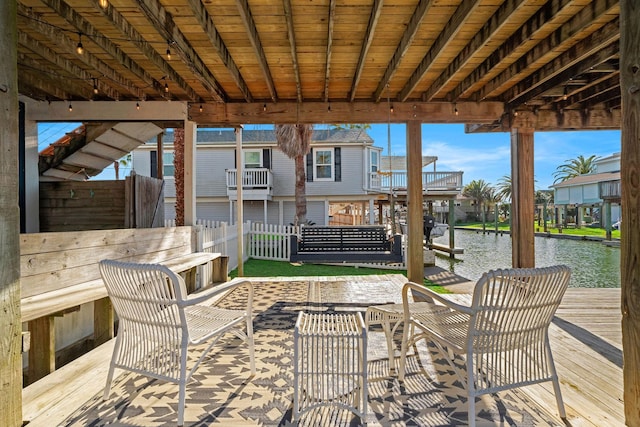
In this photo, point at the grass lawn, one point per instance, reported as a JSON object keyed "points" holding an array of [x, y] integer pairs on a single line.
{"points": [[583, 231], [264, 268]]}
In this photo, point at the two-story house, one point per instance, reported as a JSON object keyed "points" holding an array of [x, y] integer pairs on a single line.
{"points": [[341, 169], [600, 189]]}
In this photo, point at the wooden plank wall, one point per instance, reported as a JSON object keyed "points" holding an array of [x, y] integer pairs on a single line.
{"points": [[144, 202], [83, 205], [52, 261]]}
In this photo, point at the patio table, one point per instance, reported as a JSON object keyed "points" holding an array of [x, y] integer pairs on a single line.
{"points": [[330, 363]]}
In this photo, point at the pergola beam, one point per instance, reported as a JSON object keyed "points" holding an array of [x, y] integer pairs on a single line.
{"points": [[120, 23], [450, 31], [327, 69], [482, 39], [162, 21], [291, 36], [407, 37], [346, 112], [58, 37], [202, 15], [376, 10]]}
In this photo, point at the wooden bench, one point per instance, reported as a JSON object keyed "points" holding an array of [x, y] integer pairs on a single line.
{"points": [[348, 243], [59, 274]]}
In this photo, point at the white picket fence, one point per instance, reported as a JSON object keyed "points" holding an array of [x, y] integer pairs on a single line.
{"points": [[261, 241]]}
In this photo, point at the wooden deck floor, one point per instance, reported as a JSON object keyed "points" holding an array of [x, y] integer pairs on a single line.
{"points": [[585, 337]]}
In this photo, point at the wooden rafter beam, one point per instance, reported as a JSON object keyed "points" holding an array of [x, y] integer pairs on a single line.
{"points": [[35, 86], [291, 35], [484, 37], [163, 22], [48, 79], [448, 33], [327, 69], [120, 23], [567, 66], [407, 37], [376, 10], [603, 97], [58, 37], [561, 39], [254, 38], [233, 114], [527, 31], [589, 91], [549, 120], [69, 67]]}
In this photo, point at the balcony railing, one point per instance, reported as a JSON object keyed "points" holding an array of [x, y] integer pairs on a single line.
{"points": [[610, 189], [431, 181], [257, 183]]}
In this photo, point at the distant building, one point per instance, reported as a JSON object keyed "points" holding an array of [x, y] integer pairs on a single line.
{"points": [[598, 191]]}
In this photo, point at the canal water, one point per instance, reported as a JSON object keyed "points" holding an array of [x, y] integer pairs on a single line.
{"points": [[593, 264]]}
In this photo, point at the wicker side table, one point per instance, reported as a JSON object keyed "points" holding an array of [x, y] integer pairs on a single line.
{"points": [[330, 363]]}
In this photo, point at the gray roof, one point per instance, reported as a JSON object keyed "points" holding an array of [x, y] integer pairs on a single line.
{"points": [[267, 136], [589, 179]]}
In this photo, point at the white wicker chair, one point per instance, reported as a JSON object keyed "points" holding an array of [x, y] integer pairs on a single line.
{"points": [[503, 334], [158, 322]]}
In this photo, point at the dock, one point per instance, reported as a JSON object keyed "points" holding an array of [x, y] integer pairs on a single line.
{"points": [[446, 249]]}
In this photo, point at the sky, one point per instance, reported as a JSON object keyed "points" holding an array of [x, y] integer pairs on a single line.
{"points": [[487, 156], [484, 156]]}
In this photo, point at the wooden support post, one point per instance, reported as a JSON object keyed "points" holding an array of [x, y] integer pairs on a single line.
{"points": [[452, 223], [160, 156], [11, 342], [220, 267], [606, 218], [522, 209], [103, 319], [630, 181], [42, 353], [415, 258]]}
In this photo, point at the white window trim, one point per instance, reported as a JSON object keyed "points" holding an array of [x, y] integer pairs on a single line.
{"points": [[244, 158], [315, 165], [371, 164]]}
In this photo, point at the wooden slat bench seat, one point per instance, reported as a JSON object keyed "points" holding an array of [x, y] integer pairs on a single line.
{"points": [[345, 244], [59, 273]]}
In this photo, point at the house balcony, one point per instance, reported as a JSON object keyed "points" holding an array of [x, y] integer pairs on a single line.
{"points": [[610, 190], [257, 184], [433, 183]]}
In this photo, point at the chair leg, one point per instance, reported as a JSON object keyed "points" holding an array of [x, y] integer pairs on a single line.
{"points": [[252, 355], [107, 387], [556, 383], [181, 401], [471, 393], [403, 353]]}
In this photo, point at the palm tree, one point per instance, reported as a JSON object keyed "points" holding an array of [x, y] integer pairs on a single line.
{"points": [[477, 190], [295, 143], [125, 161], [504, 188], [575, 167]]}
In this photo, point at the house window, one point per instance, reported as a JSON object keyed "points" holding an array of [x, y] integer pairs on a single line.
{"points": [[375, 161], [323, 165], [168, 169], [252, 159]]}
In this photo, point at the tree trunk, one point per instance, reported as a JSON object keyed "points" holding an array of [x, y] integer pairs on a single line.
{"points": [[178, 163], [10, 343], [301, 196]]}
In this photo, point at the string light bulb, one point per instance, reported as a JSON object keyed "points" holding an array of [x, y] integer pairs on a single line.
{"points": [[138, 106], [455, 109], [95, 86], [391, 108], [166, 88], [201, 108], [264, 107], [103, 3], [79, 47], [168, 50], [70, 107]]}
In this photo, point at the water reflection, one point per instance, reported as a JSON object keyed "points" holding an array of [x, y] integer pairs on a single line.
{"points": [[593, 264]]}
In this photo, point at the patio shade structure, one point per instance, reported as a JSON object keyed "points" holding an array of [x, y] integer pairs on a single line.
{"points": [[517, 66]]}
